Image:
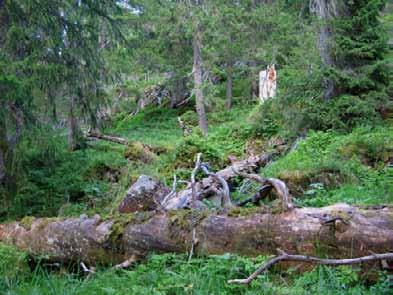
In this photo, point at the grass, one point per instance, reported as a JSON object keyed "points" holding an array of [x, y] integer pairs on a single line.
{"points": [[174, 274], [331, 167]]}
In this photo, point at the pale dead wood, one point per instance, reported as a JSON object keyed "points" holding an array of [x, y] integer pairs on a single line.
{"points": [[96, 135], [89, 271], [205, 186], [225, 188], [186, 130], [193, 243], [193, 173], [127, 263], [283, 256], [280, 187], [172, 193]]}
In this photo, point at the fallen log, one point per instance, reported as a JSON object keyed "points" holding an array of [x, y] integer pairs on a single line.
{"points": [[96, 135], [338, 231]]}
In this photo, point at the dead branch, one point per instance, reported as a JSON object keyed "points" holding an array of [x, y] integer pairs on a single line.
{"points": [[96, 135], [186, 130], [283, 256], [202, 188], [225, 188], [193, 243], [278, 185], [194, 171], [262, 193], [127, 263], [172, 193]]}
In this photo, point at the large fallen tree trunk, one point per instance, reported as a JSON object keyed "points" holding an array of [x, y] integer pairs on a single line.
{"points": [[336, 231]]}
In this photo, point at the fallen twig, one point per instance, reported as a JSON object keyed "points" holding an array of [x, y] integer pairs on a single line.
{"points": [[283, 256]]}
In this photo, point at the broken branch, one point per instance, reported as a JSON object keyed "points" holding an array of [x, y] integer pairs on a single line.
{"points": [[280, 187], [225, 188], [193, 173], [310, 259]]}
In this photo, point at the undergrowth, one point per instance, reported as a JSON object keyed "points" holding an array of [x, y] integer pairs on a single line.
{"points": [[329, 167], [174, 274]]}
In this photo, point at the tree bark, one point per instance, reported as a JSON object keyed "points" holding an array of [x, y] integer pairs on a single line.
{"points": [[326, 10], [197, 70], [74, 133], [229, 86], [179, 90], [3, 145], [338, 231]]}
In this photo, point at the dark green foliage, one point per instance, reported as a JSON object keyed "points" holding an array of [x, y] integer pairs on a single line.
{"points": [[52, 179], [361, 71]]}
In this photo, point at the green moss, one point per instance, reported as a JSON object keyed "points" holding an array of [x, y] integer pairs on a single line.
{"points": [[187, 219], [120, 222], [138, 152], [338, 214], [45, 221], [27, 221], [247, 211]]}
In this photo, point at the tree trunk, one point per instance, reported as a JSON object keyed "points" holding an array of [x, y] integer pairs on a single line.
{"points": [[74, 133], [326, 10], [336, 231], [10, 115], [197, 70], [3, 146], [52, 105], [178, 91], [229, 69]]}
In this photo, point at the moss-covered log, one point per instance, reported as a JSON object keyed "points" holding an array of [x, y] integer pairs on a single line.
{"points": [[336, 231]]}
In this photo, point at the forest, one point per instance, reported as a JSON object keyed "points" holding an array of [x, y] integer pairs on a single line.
{"points": [[196, 147]]}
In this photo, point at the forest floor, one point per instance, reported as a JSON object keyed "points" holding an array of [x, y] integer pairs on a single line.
{"points": [[320, 169]]}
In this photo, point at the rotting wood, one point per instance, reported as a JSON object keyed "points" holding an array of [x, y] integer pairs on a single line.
{"points": [[352, 232], [209, 184], [97, 135]]}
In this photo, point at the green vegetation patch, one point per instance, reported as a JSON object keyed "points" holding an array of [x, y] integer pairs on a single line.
{"points": [[331, 167], [174, 274]]}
